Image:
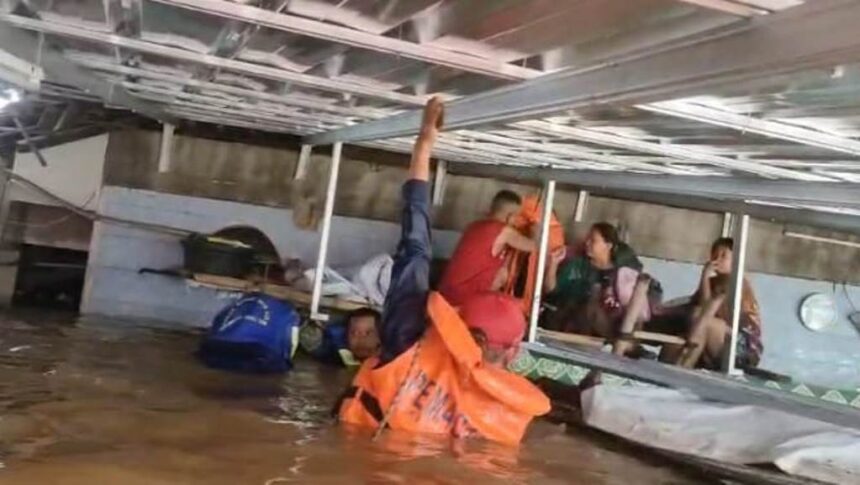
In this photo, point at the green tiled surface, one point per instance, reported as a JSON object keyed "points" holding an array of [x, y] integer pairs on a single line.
{"points": [[534, 365]]}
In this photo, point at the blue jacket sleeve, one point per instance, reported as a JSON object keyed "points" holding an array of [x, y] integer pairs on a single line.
{"points": [[404, 317]]}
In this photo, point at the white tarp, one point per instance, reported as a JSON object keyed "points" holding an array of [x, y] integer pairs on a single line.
{"points": [[673, 420]]}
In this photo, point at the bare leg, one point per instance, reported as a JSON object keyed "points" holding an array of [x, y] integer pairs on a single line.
{"points": [[598, 322], [632, 317], [705, 326], [716, 339], [671, 353]]}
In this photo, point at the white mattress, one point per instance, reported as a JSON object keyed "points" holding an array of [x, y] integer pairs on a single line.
{"points": [[673, 420]]}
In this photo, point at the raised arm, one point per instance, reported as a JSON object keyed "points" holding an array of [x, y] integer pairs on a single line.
{"points": [[513, 238], [404, 318], [704, 290], [419, 166]]}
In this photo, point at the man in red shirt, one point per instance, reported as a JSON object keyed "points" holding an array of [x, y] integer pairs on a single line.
{"points": [[478, 264]]}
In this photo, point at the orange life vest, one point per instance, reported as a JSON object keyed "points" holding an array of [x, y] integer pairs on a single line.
{"points": [[440, 385], [527, 221]]}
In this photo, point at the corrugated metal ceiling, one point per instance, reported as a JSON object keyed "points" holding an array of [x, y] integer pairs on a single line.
{"points": [[307, 66]]}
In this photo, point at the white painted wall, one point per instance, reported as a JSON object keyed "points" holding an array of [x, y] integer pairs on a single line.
{"points": [[74, 172], [114, 286], [829, 358]]}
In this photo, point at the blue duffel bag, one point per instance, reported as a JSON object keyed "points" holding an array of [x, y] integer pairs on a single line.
{"points": [[257, 333]]}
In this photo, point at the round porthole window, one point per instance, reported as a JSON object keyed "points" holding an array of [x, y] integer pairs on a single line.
{"points": [[818, 312]]}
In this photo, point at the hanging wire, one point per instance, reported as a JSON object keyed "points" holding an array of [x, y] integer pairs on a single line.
{"points": [[29, 141], [90, 214], [53, 222]]}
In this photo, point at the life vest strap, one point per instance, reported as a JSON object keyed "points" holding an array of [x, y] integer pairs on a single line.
{"points": [[368, 401]]}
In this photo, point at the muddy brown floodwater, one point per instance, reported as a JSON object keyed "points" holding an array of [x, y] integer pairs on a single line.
{"points": [[101, 402]]}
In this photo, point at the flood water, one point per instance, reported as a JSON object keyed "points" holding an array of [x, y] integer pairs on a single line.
{"points": [[103, 402]]}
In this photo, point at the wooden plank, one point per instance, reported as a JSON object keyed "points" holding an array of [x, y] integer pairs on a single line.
{"points": [[293, 295], [715, 387], [662, 338], [579, 339], [572, 338]]}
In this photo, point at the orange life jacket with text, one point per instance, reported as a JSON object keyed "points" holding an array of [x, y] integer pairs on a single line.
{"points": [[527, 221], [441, 385]]}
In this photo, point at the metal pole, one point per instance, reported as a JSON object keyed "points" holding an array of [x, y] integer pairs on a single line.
{"points": [[164, 154], [439, 183], [581, 202], [727, 225], [316, 296], [549, 196], [741, 235], [304, 159]]}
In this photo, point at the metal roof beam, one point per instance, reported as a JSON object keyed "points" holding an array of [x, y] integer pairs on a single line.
{"points": [[807, 217], [748, 124], [357, 38], [813, 35], [573, 152], [58, 68], [666, 150], [825, 194], [727, 6], [293, 100], [273, 73]]}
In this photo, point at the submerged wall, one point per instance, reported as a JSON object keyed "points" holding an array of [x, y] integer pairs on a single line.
{"points": [[369, 188], [115, 286], [213, 184]]}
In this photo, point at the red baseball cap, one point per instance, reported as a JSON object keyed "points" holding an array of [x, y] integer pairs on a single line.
{"points": [[499, 316]]}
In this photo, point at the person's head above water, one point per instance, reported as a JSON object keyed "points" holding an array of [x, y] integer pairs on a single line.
{"points": [[721, 255], [497, 323], [601, 242], [362, 332], [506, 204]]}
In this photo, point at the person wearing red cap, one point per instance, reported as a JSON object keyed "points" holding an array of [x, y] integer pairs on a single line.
{"points": [[440, 370]]}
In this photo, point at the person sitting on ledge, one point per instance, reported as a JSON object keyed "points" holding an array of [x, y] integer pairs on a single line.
{"points": [[711, 318], [602, 293]]}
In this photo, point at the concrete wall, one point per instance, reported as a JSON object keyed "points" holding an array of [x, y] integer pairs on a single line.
{"points": [[828, 358], [47, 225], [369, 187], [74, 172], [676, 240], [114, 286]]}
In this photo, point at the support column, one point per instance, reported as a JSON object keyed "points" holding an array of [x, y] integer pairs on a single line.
{"points": [[727, 225], [166, 150], [326, 229], [581, 203], [9, 253], [740, 236], [549, 197], [304, 160], [439, 181]]}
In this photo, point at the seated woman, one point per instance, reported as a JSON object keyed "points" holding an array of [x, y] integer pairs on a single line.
{"points": [[602, 293], [711, 318]]}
